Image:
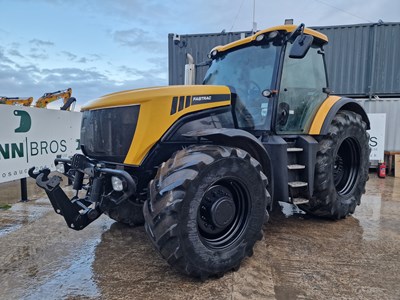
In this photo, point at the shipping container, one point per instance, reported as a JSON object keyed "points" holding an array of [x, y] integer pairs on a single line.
{"points": [[363, 61]]}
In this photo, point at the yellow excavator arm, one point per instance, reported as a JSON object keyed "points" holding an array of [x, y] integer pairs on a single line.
{"points": [[50, 97], [25, 101]]}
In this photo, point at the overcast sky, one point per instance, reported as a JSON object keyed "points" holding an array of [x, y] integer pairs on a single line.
{"points": [[98, 46]]}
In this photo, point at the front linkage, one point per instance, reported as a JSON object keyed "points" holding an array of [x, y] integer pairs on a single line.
{"points": [[80, 212]]}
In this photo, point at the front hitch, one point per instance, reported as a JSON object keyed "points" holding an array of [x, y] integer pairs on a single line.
{"points": [[78, 213]]}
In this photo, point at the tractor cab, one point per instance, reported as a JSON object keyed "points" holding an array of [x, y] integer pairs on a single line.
{"points": [[277, 75]]}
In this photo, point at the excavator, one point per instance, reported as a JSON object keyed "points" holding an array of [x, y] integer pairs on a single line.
{"points": [[50, 97], [25, 101], [43, 101]]}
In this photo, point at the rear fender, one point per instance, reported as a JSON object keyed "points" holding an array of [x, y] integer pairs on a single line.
{"points": [[328, 111]]}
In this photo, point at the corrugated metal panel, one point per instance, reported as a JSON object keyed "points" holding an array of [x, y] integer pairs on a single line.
{"points": [[347, 57], [198, 45], [386, 78], [363, 59], [391, 107]]}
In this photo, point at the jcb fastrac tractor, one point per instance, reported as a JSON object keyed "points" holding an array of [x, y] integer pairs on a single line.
{"points": [[202, 165]]}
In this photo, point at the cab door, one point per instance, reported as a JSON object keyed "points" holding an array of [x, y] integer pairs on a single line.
{"points": [[301, 92]]}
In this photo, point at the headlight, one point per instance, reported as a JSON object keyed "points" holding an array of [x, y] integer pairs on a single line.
{"points": [[60, 168], [259, 38], [117, 184]]}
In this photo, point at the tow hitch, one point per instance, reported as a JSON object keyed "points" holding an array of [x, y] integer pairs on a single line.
{"points": [[80, 212], [76, 212]]}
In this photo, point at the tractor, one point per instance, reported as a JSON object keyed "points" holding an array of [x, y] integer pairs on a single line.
{"points": [[202, 166]]}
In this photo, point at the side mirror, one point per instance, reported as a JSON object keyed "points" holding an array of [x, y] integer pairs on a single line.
{"points": [[300, 46]]}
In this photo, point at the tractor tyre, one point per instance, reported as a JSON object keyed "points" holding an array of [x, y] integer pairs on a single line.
{"points": [[206, 209], [127, 213], [341, 170]]}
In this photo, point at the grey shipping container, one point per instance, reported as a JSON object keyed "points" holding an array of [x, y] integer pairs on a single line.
{"points": [[363, 60]]}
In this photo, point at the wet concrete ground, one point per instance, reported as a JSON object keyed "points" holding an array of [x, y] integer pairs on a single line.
{"points": [[299, 257]]}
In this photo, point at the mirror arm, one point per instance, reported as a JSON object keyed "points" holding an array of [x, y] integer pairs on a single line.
{"points": [[299, 28]]}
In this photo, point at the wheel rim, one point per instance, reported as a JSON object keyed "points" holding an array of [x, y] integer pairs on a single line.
{"points": [[223, 213], [346, 166]]}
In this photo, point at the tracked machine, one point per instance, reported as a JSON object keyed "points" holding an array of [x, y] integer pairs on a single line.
{"points": [[201, 166], [22, 101], [65, 95]]}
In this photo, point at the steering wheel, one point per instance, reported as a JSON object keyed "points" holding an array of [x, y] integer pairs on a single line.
{"points": [[254, 90]]}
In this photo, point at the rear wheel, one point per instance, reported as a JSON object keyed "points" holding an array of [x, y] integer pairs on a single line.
{"points": [[206, 209], [341, 170]]}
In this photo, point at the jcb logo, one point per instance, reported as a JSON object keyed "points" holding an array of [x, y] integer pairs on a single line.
{"points": [[25, 121]]}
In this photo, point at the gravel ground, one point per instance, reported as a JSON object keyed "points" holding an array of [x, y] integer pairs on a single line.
{"points": [[299, 257]]}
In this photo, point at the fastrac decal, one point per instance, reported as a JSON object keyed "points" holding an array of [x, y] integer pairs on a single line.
{"points": [[201, 98], [181, 102]]}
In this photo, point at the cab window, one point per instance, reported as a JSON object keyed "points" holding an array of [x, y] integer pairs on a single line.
{"points": [[301, 91]]}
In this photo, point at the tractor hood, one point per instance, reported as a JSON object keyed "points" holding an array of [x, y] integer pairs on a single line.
{"points": [[199, 94], [151, 112]]}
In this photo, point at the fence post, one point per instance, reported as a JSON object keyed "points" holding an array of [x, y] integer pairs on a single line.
{"points": [[24, 190]]}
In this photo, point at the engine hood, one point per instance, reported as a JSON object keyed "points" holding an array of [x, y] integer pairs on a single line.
{"points": [[200, 94], [159, 108]]}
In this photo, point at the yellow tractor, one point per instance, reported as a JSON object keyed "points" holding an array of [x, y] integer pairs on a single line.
{"points": [[201, 166]]}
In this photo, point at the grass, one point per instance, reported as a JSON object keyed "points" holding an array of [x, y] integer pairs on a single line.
{"points": [[5, 206]]}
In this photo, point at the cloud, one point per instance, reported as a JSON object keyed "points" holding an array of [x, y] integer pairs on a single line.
{"points": [[38, 53], [153, 75], [41, 56], [159, 62], [94, 57], [15, 52], [41, 43], [69, 55], [139, 38], [4, 58], [86, 84]]}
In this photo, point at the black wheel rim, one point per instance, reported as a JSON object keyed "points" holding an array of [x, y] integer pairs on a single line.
{"points": [[346, 166], [223, 213]]}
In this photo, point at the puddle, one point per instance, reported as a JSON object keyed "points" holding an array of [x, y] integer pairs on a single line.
{"points": [[73, 281], [369, 217], [21, 214]]}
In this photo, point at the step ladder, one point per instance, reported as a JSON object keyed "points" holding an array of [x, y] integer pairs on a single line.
{"points": [[297, 187]]}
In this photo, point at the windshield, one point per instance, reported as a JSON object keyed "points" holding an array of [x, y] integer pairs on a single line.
{"points": [[249, 71]]}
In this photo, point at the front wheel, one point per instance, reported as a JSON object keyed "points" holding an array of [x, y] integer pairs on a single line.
{"points": [[341, 169], [206, 209]]}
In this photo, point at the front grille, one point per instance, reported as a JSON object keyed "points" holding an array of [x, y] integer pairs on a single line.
{"points": [[107, 134]]}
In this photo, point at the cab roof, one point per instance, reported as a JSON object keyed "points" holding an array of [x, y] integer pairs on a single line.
{"points": [[322, 38]]}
